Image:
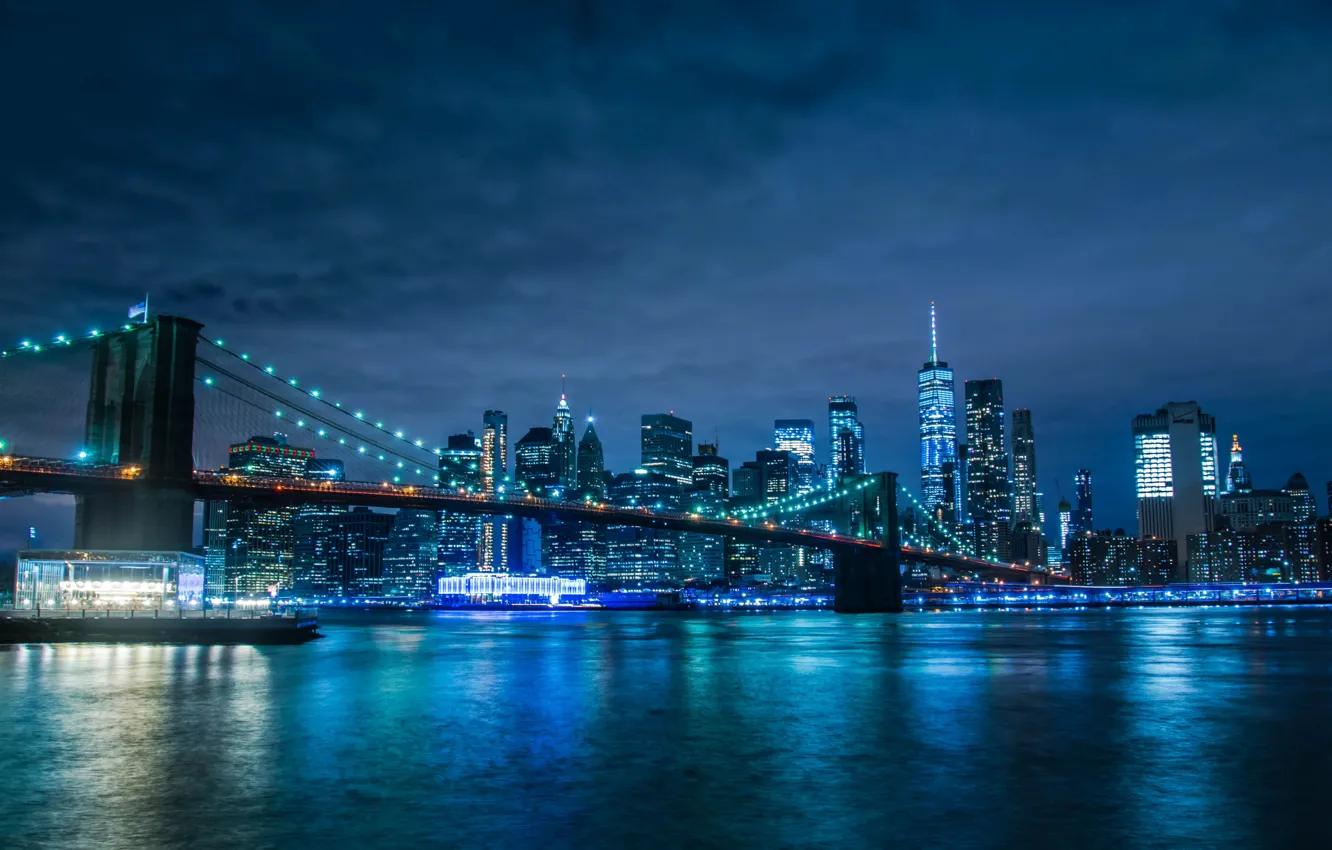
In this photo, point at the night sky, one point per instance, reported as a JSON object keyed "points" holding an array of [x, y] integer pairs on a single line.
{"points": [[729, 209]]}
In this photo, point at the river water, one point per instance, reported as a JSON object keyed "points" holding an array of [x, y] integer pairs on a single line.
{"points": [[1141, 728]]}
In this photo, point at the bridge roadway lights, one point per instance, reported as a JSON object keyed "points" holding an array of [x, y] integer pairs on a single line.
{"points": [[868, 581]]}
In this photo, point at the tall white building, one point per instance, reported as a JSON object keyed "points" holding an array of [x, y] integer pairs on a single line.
{"points": [[1174, 452]]}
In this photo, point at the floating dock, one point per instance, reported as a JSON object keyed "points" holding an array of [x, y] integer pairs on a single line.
{"points": [[183, 627]]}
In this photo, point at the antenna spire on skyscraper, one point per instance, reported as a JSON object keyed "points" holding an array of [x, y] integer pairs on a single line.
{"points": [[934, 337]]}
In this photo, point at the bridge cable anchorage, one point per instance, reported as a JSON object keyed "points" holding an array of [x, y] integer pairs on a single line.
{"points": [[383, 452], [291, 382]]}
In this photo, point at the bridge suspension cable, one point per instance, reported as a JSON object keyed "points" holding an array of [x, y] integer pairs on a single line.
{"points": [[295, 415], [334, 408]]}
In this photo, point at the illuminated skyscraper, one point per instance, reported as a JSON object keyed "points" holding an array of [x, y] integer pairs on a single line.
{"points": [[668, 447], [410, 555], [1302, 501], [591, 464], [460, 463], [215, 547], [317, 531], [988, 495], [562, 432], [1065, 523], [360, 552], [260, 541], [712, 472], [1176, 468], [643, 554], [746, 482], [938, 425], [495, 543], [797, 437], [536, 462], [459, 534], [846, 439], [960, 507], [1081, 521], [1025, 505], [778, 471], [1237, 476], [494, 451]]}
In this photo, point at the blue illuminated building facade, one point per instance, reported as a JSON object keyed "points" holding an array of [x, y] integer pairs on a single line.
{"points": [[938, 426], [846, 439], [796, 436]]}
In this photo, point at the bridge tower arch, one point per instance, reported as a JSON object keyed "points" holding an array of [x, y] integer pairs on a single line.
{"points": [[141, 413]]}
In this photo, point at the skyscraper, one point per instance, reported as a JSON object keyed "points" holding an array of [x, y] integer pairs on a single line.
{"points": [[459, 534], [778, 474], [1302, 501], [1081, 521], [1065, 523], [797, 437], [494, 451], [668, 447], [562, 432], [712, 472], [1237, 476], [536, 462], [960, 504], [846, 439], [938, 425], [987, 468], [260, 542], [317, 531], [591, 464], [460, 463], [1025, 506], [215, 548], [1176, 468], [410, 555], [746, 482], [643, 554], [360, 553], [945, 512], [494, 549]]}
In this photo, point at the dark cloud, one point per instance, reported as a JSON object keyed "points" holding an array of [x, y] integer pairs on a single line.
{"points": [[732, 209]]}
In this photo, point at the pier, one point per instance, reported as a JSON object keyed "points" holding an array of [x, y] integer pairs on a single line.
{"points": [[207, 627]]}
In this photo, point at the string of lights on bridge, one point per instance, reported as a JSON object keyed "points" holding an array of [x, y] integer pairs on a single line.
{"points": [[805, 501], [316, 395], [61, 341], [334, 433]]}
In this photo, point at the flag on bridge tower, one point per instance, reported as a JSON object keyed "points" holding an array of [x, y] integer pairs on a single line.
{"points": [[140, 310]]}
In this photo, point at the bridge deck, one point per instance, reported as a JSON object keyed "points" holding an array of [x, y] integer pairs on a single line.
{"points": [[24, 475]]}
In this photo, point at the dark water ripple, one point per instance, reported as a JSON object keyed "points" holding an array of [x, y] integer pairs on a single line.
{"points": [[1151, 728]]}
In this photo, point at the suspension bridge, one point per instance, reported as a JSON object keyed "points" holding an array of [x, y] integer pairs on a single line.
{"points": [[164, 402]]}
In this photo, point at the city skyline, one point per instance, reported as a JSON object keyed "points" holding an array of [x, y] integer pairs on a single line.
{"points": [[753, 188], [1271, 477]]}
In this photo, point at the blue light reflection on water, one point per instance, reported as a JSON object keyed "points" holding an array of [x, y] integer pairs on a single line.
{"points": [[1159, 727]]}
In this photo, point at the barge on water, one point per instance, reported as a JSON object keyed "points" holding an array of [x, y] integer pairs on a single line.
{"points": [[206, 627]]}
